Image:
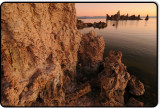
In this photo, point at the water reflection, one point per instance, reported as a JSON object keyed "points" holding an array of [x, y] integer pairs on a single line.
{"points": [[122, 23], [145, 24], [115, 24]]}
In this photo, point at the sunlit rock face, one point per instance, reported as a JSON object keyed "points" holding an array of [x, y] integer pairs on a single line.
{"points": [[90, 54], [38, 51], [46, 61]]}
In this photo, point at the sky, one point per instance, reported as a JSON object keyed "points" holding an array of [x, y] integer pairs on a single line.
{"points": [[101, 9]]}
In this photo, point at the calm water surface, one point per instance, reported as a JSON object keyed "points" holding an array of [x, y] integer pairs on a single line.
{"points": [[138, 42]]}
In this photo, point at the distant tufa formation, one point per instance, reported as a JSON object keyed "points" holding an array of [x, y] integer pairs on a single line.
{"points": [[147, 17], [123, 17]]}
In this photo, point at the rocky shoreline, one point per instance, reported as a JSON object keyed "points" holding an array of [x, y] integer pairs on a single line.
{"points": [[110, 75], [81, 24], [46, 61]]}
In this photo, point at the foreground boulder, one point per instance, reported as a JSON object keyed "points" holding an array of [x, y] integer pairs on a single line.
{"points": [[114, 79], [39, 44]]}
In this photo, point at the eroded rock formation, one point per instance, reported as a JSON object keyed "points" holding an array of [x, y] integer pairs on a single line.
{"points": [[46, 61], [136, 86], [90, 54], [81, 24], [122, 17], [38, 51], [147, 17], [114, 79]]}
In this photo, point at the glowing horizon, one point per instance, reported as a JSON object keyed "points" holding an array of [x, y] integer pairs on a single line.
{"points": [[101, 9]]}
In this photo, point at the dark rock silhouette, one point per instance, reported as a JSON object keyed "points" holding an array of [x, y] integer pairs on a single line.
{"points": [[81, 24], [139, 17], [118, 15], [127, 15], [147, 17], [99, 25], [122, 17]]}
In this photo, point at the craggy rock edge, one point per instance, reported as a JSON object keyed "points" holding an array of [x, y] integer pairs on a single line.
{"points": [[42, 52]]}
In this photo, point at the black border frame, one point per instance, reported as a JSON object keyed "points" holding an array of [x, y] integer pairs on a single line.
{"points": [[93, 2]]}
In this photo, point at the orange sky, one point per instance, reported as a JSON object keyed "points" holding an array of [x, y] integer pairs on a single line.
{"points": [[101, 9]]}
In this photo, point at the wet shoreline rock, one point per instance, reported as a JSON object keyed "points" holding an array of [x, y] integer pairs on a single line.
{"points": [[112, 81], [81, 24], [136, 86], [114, 78]]}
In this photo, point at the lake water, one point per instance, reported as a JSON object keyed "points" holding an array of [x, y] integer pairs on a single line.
{"points": [[138, 42]]}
